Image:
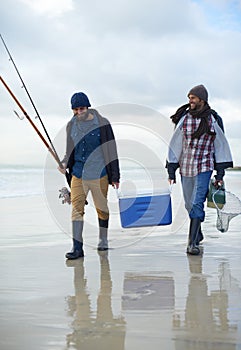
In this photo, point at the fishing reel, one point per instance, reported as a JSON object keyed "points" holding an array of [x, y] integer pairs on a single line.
{"points": [[65, 195]]}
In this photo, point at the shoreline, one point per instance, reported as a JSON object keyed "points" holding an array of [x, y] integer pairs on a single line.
{"points": [[144, 292]]}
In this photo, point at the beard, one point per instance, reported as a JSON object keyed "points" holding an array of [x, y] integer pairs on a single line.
{"points": [[83, 116], [197, 106]]}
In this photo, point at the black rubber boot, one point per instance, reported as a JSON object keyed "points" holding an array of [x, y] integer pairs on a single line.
{"points": [[194, 228], [103, 232], [77, 250], [200, 236]]}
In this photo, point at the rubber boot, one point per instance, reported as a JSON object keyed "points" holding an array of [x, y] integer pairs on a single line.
{"points": [[194, 228], [77, 250], [103, 232], [200, 236]]}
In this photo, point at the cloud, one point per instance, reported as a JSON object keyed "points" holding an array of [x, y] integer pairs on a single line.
{"points": [[53, 8], [233, 130], [148, 53], [223, 14], [149, 17]]}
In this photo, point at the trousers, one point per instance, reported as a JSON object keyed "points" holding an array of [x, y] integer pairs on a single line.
{"points": [[195, 190], [79, 191]]}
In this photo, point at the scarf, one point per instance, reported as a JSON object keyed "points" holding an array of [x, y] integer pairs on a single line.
{"points": [[203, 114], [80, 128]]}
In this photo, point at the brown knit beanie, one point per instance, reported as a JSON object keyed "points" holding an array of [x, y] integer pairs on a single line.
{"points": [[199, 91]]}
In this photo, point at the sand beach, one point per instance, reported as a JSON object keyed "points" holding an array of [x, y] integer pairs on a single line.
{"points": [[145, 292]]}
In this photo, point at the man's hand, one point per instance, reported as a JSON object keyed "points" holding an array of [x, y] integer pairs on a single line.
{"points": [[115, 185], [63, 169], [218, 183]]}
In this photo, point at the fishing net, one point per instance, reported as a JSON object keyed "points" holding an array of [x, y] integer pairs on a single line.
{"points": [[226, 211]]}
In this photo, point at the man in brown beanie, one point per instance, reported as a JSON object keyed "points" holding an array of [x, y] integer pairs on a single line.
{"points": [[198, 146], [199, 91]]}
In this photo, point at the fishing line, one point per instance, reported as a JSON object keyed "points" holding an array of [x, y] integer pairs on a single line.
{"points": [[30, 120], [64, 193], [31, 100]]}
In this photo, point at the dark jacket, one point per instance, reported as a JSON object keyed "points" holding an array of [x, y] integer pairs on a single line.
{"points": [[108, 145]]}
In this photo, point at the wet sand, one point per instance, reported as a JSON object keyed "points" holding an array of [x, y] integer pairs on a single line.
{"points": [[143, 293]]}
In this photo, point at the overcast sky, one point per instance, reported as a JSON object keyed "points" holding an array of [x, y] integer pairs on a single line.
{"points": [[148, 52]]}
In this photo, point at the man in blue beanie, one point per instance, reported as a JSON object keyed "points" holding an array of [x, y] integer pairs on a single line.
{"points": [[198, 146], [92, 161]]}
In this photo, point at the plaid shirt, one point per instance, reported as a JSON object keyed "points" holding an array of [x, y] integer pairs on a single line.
{"points": [[197, 154]]}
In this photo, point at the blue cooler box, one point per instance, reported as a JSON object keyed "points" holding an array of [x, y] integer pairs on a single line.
{"points": [[148, 210]]}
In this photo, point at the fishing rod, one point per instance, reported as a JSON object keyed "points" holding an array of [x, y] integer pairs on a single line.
{"points": [[30, 98], [31, 122], [64, 192], [55, 156]]}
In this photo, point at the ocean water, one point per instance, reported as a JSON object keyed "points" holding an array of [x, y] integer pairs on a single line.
{"points": [[23, 183], [19, 181]]}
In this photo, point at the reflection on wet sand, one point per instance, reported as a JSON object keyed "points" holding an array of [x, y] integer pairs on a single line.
{"points": [[148, 292], [160, 298], [89, 331], [206, 323], [148, 304], [150, 311]]}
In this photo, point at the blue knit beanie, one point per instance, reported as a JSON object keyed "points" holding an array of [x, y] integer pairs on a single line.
{"points": [[79, 99]]}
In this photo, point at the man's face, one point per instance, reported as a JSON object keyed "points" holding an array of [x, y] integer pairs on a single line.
{"points": [[80, 111], [195, 102]]}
